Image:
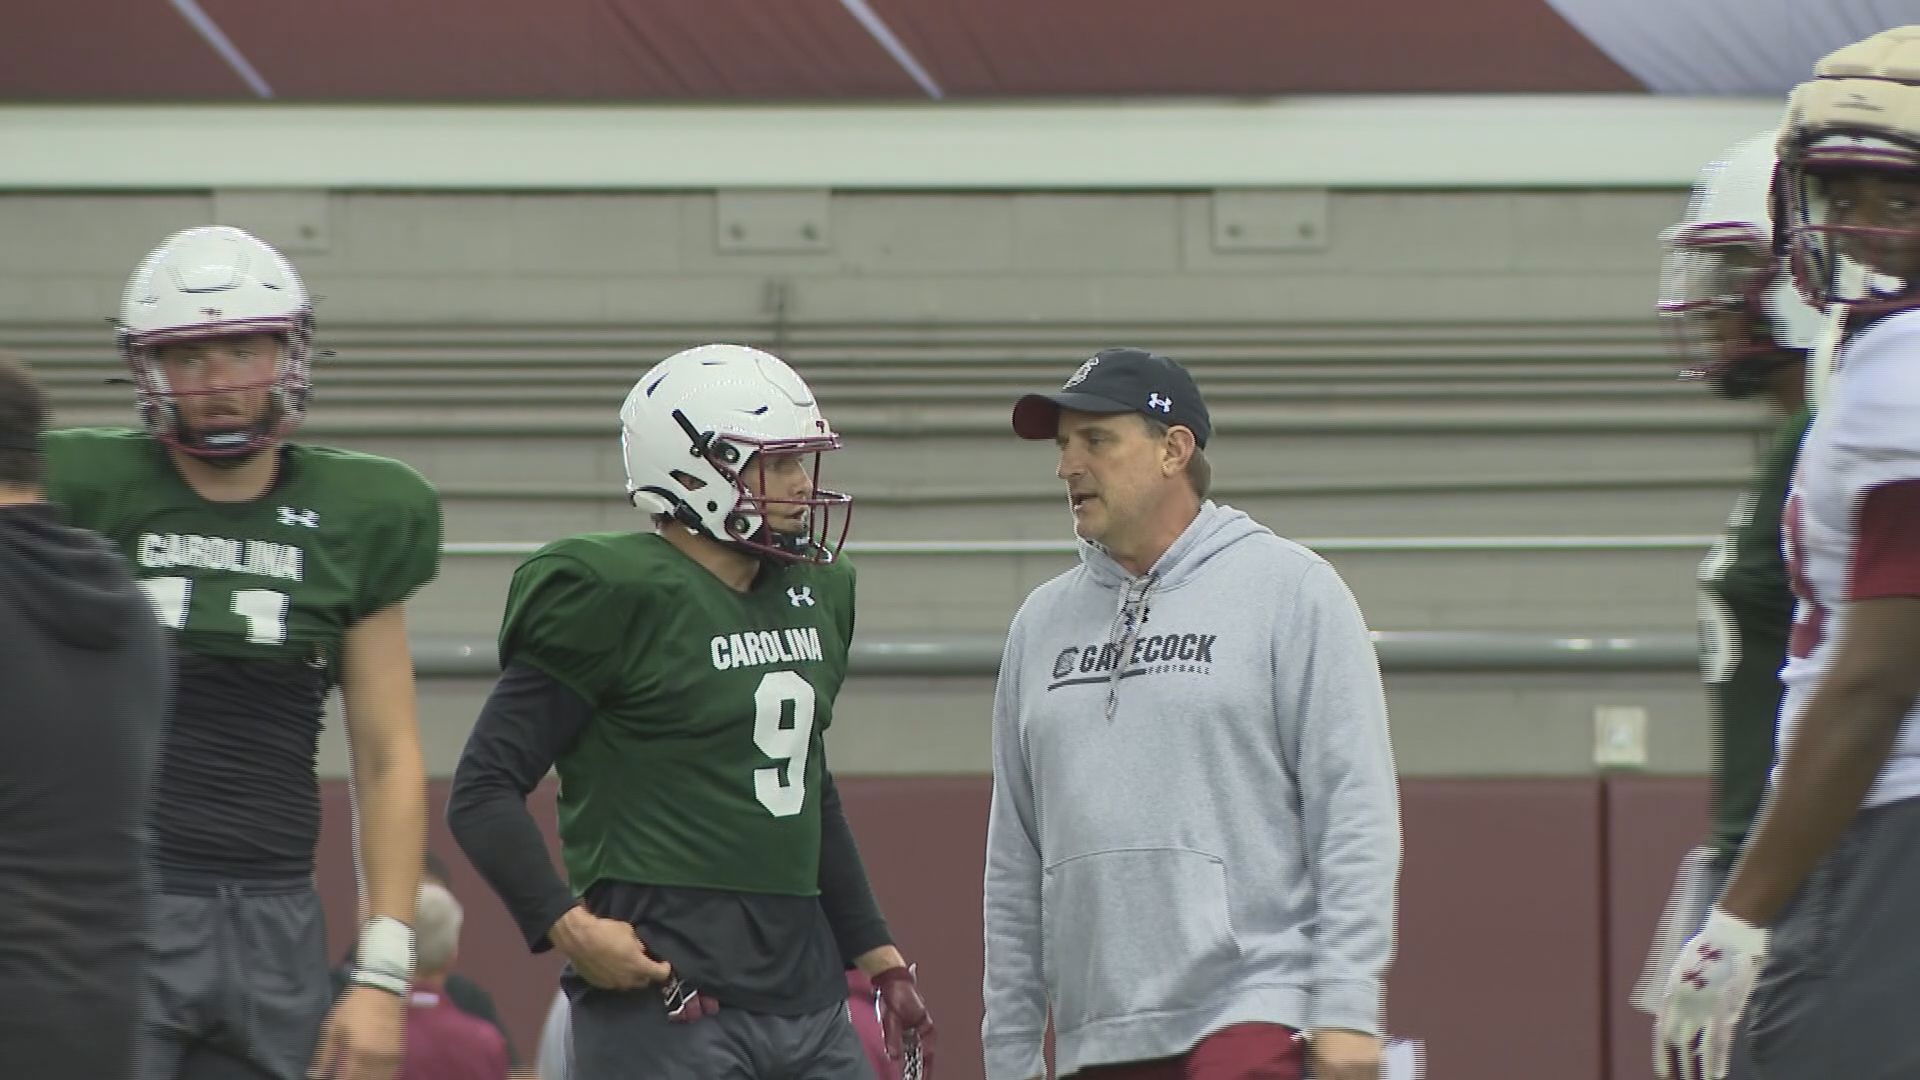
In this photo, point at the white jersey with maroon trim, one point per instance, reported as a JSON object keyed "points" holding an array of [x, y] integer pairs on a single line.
{"points": [[1852, 521]]}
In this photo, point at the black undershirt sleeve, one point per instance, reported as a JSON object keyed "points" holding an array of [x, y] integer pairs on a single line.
{"points": [[529, 721], [845, 894]]}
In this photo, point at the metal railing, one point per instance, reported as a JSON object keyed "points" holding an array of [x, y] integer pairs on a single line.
{"points": [[1325, 545], [1443, 651]]}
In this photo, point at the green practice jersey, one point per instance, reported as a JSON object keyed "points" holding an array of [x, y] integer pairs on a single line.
{"points": [[1746, 610], [339, 536], [701, 766]]}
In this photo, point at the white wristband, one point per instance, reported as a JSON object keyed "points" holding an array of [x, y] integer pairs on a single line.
{"points": [[392, 984], [385, 959]]}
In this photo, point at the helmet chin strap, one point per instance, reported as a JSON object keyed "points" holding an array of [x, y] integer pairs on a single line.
{"points": [[198, 444], [794, 545], [228, 461], [791, 545]]}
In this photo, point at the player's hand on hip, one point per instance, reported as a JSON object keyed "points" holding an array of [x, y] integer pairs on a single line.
{"points": [[364, 1037], [608, 953], [1706, 993], [905, 1025], [1339, 1054]]}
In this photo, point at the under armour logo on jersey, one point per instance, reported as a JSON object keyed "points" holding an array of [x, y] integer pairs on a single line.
{"points": [[1155, 401], [1080, 376], [800, 595], [290, 516]]}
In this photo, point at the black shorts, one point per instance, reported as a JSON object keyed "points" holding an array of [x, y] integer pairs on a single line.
{"points": [[237, 983]]}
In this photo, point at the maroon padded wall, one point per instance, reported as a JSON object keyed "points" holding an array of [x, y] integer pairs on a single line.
{"points": [[1652, 822], [1525, 910], [1499, 969]]}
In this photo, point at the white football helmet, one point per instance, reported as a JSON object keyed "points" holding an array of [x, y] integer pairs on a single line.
{"points": [[693, 428], [1860, 114], [1731, 308], [213, 282]]}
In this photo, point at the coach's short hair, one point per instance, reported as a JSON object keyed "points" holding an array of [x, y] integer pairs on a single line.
{"points": [[436, 930], [23, 420]]}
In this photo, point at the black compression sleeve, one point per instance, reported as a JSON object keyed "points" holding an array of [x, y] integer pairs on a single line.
{"points": [[845, 894], [528, 722]]}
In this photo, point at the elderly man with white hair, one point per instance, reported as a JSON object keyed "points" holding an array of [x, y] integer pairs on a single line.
{"points": [[444, 1043]]}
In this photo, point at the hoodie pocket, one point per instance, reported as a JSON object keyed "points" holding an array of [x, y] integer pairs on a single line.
{"points": [[1139, 930]]}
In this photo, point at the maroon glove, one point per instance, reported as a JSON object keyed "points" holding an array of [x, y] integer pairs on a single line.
{"points": [[905, 1026]]}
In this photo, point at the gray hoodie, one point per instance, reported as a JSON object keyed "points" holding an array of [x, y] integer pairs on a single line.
{"points": [[1195, 822]]}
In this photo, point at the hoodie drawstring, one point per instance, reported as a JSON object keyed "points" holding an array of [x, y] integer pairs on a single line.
{"points": [[1127, 621]]}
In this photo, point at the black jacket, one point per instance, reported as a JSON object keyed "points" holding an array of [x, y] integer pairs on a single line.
{"points": [[84, 687]]}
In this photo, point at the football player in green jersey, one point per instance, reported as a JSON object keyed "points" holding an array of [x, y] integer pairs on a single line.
{"points": [[1739, 324], [283, 570], [682, 680]]}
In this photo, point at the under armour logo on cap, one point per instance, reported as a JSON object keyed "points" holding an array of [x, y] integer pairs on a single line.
{"points": [[800, 595], [1155, 401]]}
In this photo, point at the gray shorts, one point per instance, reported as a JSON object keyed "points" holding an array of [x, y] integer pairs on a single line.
{"points": [[1837, 995], [237, 984], [625, 1035]]}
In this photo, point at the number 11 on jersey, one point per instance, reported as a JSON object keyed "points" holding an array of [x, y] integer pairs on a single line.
{"points": [[264, 609]]}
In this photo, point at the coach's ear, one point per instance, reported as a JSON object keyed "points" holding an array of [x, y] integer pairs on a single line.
{"points": [[1176, 449]]}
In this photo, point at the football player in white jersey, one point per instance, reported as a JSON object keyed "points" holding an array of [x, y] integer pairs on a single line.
{"points": [[1737, 323], [1809, 964]]}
